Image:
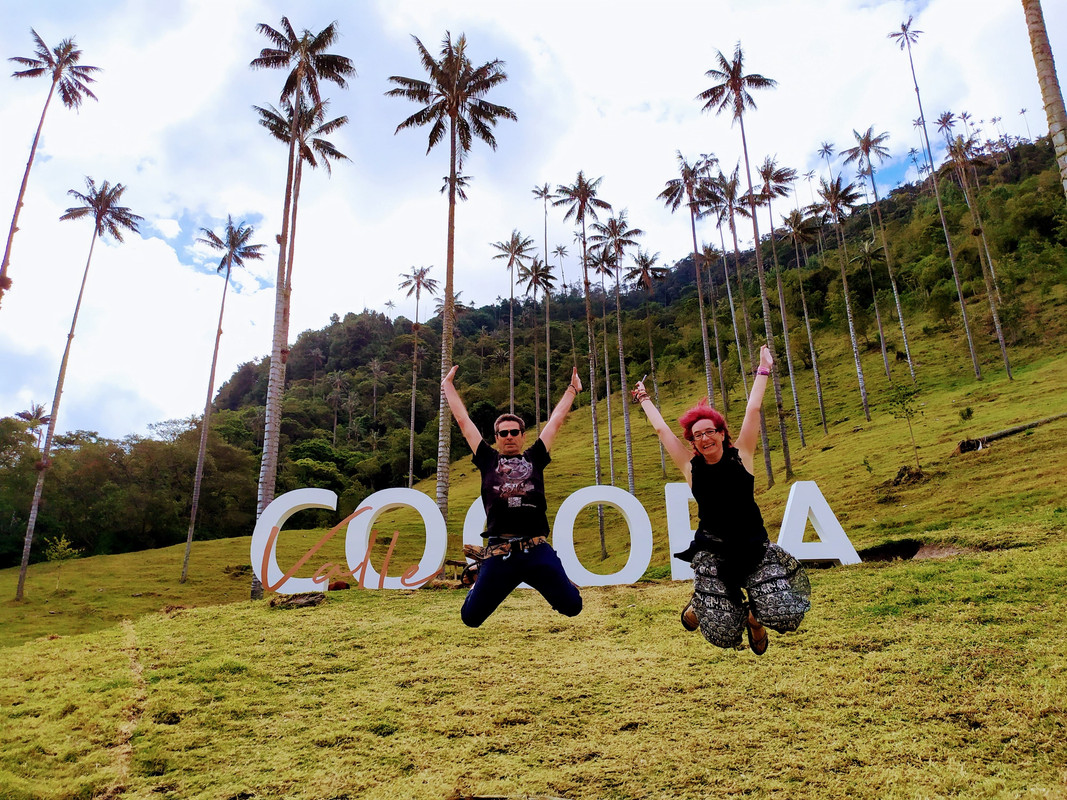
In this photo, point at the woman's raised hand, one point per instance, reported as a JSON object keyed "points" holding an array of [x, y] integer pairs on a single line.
{"points": [[766, 360], [576, 382], [451, 374]]}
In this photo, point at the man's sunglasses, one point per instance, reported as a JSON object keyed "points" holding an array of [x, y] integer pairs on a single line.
{"points": [[509, 432]]}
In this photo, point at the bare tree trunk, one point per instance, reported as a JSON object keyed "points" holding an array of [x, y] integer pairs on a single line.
{"points": [[589, 326], [201, 453], [700, 304], [607, 381], [622, 382], [944, 222], [1051, 95], [44, 463], [811, 340], [851, 325], [444, 429], [733, 314], [768, 328], [22, 193], [892, 277], [414, 385]]}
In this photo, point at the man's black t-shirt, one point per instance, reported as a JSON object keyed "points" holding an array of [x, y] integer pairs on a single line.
{"points": [[513, 491]]}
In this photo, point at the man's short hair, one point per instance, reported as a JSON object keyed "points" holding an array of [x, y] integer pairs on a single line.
{"points": [[509, 418]]}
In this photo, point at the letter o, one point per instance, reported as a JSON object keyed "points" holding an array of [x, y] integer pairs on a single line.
{"points": [[358, 535], [640, 529], [275, 515]]}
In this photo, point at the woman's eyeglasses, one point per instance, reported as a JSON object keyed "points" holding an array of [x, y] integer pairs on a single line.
{"points": [[509, 432], [704, 434]]}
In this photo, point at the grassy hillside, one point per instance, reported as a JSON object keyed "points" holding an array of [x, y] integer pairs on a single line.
{"points": [[915, 678]]}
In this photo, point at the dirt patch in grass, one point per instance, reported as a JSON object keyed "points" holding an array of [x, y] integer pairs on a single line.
{"points": [[942, 551]]}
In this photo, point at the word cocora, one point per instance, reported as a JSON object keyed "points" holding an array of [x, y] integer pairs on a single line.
{"points": [[805, 504]]}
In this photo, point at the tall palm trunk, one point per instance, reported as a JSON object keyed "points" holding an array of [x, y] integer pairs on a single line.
{"points": [[944, 222], [589, 326], [785, 326], [44, 463], [201, 452], [718, 342], [874, 290], [652, 372], [764, 440], [622, 384], [444, 428], [811, 340], [414, 384], [607, 379], [848, 313], [991, 293], [511, 341], [733, 314], [548, 352], [537, 381], [268, 468], [765, 299], [22, 190], [1050, 85], [892, 277], [700, 304]]}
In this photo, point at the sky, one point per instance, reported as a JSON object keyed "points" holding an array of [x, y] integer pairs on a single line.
{"points": [[608, 88]]}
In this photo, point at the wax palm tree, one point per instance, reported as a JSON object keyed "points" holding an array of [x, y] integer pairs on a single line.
{"points": [[684, 189], [826, 149], [560, 252], [961, 151], [724, 194], [709, 257], [602, 264], [839, 198], [733, 93], [802, 230], [538, 277], [416, 282], [581, 201], [72, 79], [713, 199], [776, 181], [37, 416], [870, 146], [1050, 85], [235, 245], [308, 63], [516, 250], [377, 372], [111, 219], [905, 37], [645, 273], [453, 103], [617, 235], [544, 194]]}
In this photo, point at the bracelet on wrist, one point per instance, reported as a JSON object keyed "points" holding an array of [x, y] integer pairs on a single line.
{"points": [[763, 371]]}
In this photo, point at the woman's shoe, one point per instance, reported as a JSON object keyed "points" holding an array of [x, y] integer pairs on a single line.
{"points": [[689, 618], [757, 646]]}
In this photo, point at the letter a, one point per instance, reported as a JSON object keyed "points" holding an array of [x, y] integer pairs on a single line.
{"points": [[807, 503]]}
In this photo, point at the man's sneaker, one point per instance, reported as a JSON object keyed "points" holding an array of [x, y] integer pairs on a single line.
{"points": [[689, 618]]}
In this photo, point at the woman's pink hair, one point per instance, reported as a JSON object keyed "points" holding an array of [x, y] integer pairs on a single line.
{"points": [[703, 411]]}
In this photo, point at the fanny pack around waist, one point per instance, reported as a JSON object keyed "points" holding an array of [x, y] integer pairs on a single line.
{"points": [[502, 548]]}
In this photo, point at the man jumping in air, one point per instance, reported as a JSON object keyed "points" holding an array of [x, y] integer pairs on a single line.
{"points": [[513, 493]]}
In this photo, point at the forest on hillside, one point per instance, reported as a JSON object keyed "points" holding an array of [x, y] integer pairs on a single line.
{"points": [[349, 402]]}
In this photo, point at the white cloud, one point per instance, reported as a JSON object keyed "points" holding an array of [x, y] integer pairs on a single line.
{"points": [[605, 88]]}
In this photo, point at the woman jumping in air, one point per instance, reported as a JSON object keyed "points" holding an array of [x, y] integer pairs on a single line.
{"points": [[730, 550]]}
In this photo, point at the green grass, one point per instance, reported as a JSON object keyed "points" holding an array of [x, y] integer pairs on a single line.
{"points": [[908, 679]]}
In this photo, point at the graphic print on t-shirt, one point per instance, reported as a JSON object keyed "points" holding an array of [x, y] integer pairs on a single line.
{"points": [[514, 479]]}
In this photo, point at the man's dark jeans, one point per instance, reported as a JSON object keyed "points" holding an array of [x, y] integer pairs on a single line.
{"points": [[499, 576]]}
